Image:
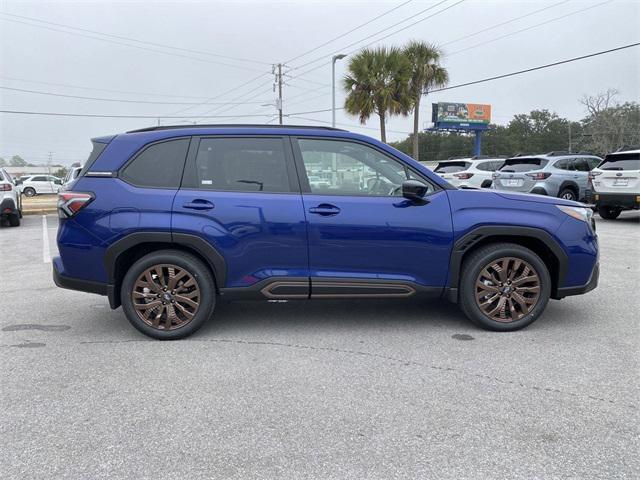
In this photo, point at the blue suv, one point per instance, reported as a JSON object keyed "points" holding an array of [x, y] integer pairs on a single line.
{"points": [[168, 221]]}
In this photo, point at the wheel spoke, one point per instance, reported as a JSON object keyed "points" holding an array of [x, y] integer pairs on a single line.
{"points": [[173, 280], [186, 312], [188, 301], [151, 283], [519, 281], [514, 269]]}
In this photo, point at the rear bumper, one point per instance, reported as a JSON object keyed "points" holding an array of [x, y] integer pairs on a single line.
{"points": [[7, 206], [579, 290], [620, 200], [80, 284]]}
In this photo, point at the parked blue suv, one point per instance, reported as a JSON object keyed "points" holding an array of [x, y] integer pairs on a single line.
{"points": [[168, 221]]}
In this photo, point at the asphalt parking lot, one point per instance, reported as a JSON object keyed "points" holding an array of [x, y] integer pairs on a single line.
{"points": [[344, 390]]}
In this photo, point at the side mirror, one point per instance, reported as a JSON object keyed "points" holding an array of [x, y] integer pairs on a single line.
{"points": [[414, 190]]}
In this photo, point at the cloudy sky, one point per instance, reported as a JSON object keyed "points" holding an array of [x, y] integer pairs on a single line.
{"points": [[193, 59]]}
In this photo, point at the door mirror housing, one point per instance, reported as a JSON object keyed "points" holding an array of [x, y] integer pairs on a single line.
{"points": [[414, 190]]}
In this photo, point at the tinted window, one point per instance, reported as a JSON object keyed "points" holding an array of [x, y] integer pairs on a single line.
{"points": [[452, 167], [566, 164], [523, 164], [488, 166], [159, 165], [581, 165], [625, 161], [593, 162], [38, 179], [98, 148], [347, 168], [242, 165]]}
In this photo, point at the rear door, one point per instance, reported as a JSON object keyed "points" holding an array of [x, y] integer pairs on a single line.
{"points": [[241, 194]]}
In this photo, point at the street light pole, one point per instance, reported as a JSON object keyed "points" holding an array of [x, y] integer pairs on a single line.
{"points": [[333, 87]]}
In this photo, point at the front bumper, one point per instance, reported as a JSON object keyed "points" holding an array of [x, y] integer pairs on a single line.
{"points": [[629, 201], [580, 289]]}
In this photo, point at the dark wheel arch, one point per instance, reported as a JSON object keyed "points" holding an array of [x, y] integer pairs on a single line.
{"points": [[570, 185], [123, 253], [539, 241]]}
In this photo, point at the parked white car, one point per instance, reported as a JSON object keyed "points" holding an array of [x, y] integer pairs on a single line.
{"points": [[616, 183], [72, 174], [469, 172], [10, 200], [40, 184]]}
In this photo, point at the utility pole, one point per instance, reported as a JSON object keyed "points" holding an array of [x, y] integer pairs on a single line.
{"points": [[277, 70]]}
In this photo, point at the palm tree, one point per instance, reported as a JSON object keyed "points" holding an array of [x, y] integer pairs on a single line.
{"points": [[377, 82], [427, 73]]}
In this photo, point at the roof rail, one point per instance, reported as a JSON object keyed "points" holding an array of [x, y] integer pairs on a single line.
{"points": [[558, 153], [624, 148], [233, 125]]}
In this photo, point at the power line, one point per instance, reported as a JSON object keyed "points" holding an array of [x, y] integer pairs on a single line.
{"points": [[84, 87], [384, 37], [501, 24], [519, 72], [96, 115], [323, 57], [350, 31], [528, 28], [132, 46], [119, 100], [155, 44]]}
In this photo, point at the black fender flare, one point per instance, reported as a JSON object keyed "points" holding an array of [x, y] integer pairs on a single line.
{"points": [[214, 259], [478, 234], [570, 184]]}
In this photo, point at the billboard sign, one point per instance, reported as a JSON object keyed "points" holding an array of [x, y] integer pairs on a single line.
{"points": [[445, 113]]}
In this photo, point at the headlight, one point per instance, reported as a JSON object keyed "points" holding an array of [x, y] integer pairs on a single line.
{"points": [[579, 213]]}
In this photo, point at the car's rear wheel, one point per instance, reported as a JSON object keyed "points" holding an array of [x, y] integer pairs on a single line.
{"points": [[568, 194], [168, 294], [504, 287], [14, 219], [609, 213], [29, 192]]}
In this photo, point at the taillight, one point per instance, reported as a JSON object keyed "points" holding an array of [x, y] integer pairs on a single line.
{"points": [[538, 175], [591, 176], [70, 203], [463, 176], [5, 187]]}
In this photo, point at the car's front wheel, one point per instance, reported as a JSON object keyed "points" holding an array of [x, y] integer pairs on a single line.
{"points": [[29, 192], [168, 294], [504, 287], [609, 213]]}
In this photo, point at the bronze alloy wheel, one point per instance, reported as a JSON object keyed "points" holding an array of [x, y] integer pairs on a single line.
{"points": [[507, 289], [166, 297]]}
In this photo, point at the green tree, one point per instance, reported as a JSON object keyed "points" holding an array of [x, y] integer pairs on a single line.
{"points": [[3, 162], [377, 82], [17, 161], [426, 74]]}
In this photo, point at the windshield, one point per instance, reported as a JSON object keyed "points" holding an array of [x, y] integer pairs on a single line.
{"points": [[624, 161], [452, 167], [523, 164]]}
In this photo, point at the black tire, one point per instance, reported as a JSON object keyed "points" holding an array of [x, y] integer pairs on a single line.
{"points": [[481, 258], [195, 268], [568, 194], [29, 192], [609, 213], [14, 220]]}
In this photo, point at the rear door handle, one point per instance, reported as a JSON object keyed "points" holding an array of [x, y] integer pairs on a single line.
{"points": [[325, 209], [199, 204]]}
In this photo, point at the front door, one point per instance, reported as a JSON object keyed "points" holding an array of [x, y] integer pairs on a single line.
{"points": [[364, 237], [241, 194]]}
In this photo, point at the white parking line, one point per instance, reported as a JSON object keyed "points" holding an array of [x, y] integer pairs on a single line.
{"points": [[46, 254]]}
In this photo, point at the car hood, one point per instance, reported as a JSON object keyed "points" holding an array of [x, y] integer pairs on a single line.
{"points": [[528, 197]]}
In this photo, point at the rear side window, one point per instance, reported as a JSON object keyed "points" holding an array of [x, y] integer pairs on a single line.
{"points": [[38, 179], [523, 164], [158, 166], [98, 148], [452, 167], [624, 161], [489, 166], [242, 165], [581, 165]]}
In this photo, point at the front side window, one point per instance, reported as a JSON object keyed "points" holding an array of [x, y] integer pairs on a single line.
{"points": [[158, 166], [242, 165], [337, 167], [38, 179], [581, 165]]}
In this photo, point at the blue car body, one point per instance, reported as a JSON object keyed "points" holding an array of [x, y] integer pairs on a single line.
{"points": [[272, 245]]}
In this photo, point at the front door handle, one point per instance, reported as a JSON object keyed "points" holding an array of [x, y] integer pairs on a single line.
{"points": [[199, 204], [325, 209]]}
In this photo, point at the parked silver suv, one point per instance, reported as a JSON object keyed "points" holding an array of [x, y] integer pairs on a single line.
{"points": [[557, 174]]}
